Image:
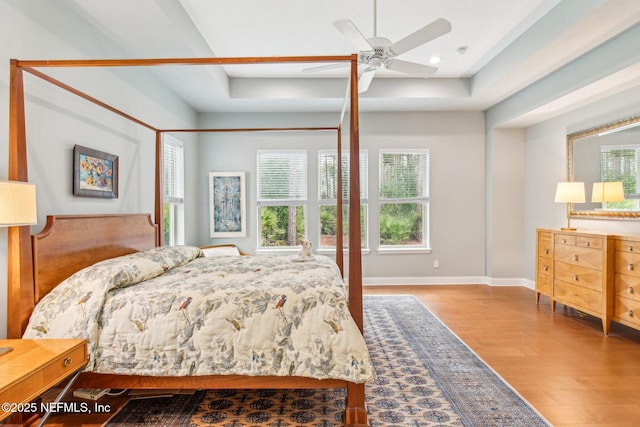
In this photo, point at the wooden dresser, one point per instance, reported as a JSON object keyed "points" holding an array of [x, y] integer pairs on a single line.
{"points": [[576, 268]]}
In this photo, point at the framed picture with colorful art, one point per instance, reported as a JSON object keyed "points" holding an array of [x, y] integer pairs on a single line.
{"points": [[95, 173], [227, 204]]}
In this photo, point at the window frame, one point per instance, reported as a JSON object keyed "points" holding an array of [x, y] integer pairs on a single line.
{"points": [[424, 247], [173, 200], [296, 201], [364, 193]]}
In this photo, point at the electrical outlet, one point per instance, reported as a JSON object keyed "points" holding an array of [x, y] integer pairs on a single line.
{"points": [[436, 264]]}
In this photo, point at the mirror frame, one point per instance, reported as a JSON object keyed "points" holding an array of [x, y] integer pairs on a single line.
{"points": [[571, 138]]}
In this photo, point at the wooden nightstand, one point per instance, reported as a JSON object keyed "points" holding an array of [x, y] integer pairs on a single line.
{"points": [[34, 366]]}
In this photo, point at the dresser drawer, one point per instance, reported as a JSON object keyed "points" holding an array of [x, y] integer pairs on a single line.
{"points": [[544, 248], [580, 276], [627, 286], [627, 263], [544, 243], [544, 283], [579, 255], [627, 311], [589, 242], [545, 265], [627, 246], [565, 239], [578, 297], [70, 361]]}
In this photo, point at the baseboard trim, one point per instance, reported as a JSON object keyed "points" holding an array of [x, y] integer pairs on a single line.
{"points": [[461, 280]]}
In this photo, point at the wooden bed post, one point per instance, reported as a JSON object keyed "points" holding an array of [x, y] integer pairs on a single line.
{"points": [[159, 211], [19, 257], [356, 412], [339, 225]]}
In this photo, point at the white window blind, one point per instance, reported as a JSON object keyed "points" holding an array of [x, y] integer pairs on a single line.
{"points": [[282, 177], [618, 161], [328, 171], [403, 175], [173, 166]]}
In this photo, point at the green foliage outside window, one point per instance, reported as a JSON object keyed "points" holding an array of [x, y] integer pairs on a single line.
{"points": [[329, 226], [401, 224], [282, 225]]}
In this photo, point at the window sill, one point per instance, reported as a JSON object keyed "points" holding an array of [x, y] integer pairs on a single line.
{"points": [[403, 250], [346, 251], [278, 251]]}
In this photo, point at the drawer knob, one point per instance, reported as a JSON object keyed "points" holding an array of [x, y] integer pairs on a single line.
{"points": [[546, 251], [588, 244], [575, 277], [564, 240], [629, 290], [630, 313], [630, 248], [67, 361], [575, 257], [630, 267], [546, 268]]}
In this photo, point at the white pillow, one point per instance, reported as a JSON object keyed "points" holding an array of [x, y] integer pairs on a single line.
{"points": [[221, 251]]}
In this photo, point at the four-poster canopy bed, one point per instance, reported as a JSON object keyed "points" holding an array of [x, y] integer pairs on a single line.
{"points": [[37, 264]]}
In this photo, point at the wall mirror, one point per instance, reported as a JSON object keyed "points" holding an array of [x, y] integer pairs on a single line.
{"points": [[605, 154]]}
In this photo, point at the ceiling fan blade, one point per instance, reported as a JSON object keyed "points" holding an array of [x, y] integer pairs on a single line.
{"points": [[365, 79], [326, 67], [350, 32], [427, 33], [411, 68]]}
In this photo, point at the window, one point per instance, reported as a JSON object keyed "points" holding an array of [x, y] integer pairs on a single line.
{"points": [[173, 200], [620, 163], [282, 197], [328, 197], [404, 198]]}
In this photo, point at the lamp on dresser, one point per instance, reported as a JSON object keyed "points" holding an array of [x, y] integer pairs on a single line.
{"points": [[569, 192], [17, 208], [605, 192]]}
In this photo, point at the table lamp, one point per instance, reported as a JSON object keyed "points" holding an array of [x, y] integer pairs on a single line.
{"points": [[569, 192], [17, 208], [605, 192]]}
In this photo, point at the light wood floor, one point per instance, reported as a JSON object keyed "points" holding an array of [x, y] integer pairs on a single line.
{"points": [[561, 363]]}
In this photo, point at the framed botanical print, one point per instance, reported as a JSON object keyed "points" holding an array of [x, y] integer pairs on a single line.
{"points": [[95, 173], [227, 204]]}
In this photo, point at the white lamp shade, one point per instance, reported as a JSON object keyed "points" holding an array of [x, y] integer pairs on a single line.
{"points": [[17, 203], [570, 192], [604, 192]]}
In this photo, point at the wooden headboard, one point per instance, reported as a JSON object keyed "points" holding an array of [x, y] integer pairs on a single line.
{"points": [[69, 243]]}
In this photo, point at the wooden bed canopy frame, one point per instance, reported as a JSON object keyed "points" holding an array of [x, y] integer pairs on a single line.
{"points": [[29, 258]]}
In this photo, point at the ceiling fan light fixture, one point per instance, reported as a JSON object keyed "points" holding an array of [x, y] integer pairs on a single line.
{"points": [[377, 52], [435, 59]]}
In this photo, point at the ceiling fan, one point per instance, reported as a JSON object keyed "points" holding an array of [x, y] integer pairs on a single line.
{"points": [[377, 52]]}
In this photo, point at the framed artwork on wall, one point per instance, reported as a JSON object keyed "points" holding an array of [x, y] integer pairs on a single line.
{"points": [[227, 204], [95, 173]]}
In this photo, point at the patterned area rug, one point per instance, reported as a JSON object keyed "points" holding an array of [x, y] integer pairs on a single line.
{"points": [[174, 411], [426, 377]]}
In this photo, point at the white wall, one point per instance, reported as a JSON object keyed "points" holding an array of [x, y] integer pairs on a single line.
{"points": [[546, 165], [456, 146], [56, 120], [505, 201]]}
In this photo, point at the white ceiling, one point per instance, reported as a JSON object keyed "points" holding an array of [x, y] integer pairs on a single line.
{"points": [[509, 45]]}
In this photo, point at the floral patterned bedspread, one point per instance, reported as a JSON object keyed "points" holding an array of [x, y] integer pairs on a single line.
{"points": [[171, 312]]}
